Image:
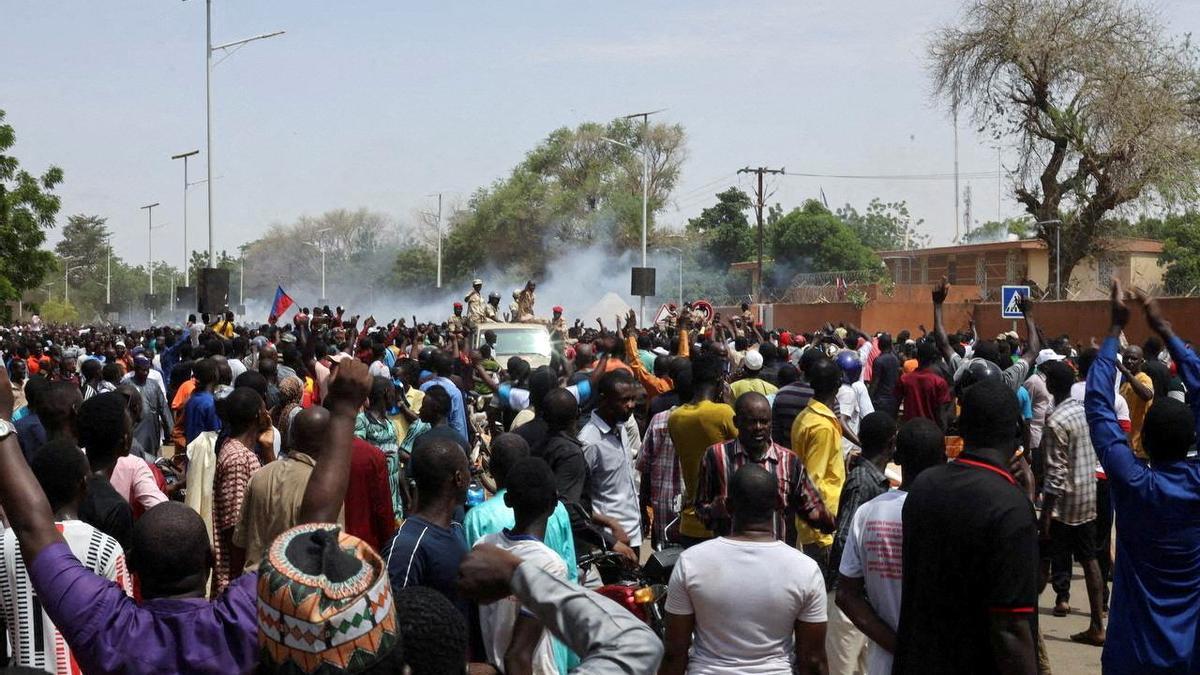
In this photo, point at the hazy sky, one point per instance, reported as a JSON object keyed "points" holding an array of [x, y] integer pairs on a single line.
{"points": [[377, 104]]}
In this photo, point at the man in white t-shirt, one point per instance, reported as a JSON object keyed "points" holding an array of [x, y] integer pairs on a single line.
{"points": [[514, 638], [754, 604], [61, 469], [854, 400], [871, 567]]}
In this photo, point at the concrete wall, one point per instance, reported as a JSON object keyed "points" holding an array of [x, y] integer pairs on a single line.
{"points": [[1082, 320]]}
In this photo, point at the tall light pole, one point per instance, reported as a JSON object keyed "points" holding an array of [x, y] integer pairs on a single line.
{"points": [[242, 276], [67, 269], [149, 208], [439, 246], [108, 272], [209, 48], [645, 187], [1057, 254], [645, 183], [320, 246], [186, 254]]}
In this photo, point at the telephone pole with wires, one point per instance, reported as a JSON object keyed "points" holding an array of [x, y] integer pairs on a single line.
{"points": [[758, 211]]}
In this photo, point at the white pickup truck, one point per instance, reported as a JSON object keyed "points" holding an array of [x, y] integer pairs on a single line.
{"points": [[530, 341]]}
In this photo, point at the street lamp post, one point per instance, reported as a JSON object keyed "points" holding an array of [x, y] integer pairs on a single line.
{"points": [[67, 269], [320, 247], [149, 208], [186, 254], [645, 199], [209, 48], [439, 237], [1057, 254]]}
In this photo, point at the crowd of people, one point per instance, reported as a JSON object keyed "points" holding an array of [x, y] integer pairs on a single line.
{"points": [[328, 494]]}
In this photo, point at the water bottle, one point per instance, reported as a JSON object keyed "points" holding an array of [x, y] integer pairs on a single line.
{"points": [[474, 494]]}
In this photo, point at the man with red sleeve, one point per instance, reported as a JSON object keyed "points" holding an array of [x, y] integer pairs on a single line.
{"points": [[368, 498]]}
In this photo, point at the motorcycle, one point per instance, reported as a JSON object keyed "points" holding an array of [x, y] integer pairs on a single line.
{"points": [[641, 590]]}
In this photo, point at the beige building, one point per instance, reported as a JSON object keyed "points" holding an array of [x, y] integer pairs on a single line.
{"points": [[989, 266]]}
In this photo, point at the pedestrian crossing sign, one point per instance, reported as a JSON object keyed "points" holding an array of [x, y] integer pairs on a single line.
{"points": [[1010, 301]]}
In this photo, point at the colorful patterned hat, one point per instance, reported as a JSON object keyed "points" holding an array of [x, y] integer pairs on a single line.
{"points": [[324, 603]]}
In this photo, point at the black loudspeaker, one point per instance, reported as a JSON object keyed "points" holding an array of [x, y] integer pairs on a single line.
{"points": [[241, 310], [212, 291], [185, 298], [642, 281], [150, 301], [111, 308]]}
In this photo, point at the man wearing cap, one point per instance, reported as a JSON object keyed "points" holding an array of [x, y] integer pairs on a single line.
{"points": [[751, 379], [1039, 396], [557, 322], [475, 311], [455, 322]]}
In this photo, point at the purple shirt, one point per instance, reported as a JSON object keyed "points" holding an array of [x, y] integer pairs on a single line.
{"points": [[108, 632]]}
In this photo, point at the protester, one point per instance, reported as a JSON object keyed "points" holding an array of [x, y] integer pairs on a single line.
{"points": [[516, 641], [608, 450], [817, 440], [970, 552], [243, 412], [1068, 516], [798, 497], [1154, 615], [430, 544], [719, 623], [871, 569]]}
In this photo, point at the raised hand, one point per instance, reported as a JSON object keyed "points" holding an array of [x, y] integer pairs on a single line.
{"points": [[1154, 315], [1120, 311], [350, 385], [940, 290]]}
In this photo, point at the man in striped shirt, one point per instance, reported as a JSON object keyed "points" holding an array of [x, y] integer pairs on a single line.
{"points": [[61, 469], [797, 494]]}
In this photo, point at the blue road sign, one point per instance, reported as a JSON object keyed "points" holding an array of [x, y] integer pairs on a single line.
{"points": [[1010, 303]]}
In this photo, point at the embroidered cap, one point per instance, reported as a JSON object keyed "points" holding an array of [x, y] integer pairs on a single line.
{"points": [[324, 603]]}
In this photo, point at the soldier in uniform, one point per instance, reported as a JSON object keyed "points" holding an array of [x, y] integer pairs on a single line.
{"points": [[475, 312], [514, 306], [672, 318], [455, 322], [557, 322], [525, 300], [491, 310]]}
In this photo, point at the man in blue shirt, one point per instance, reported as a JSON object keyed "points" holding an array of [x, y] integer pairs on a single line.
{"points": [[442, 365], [429, 546], [1154, 616], [200, 413]]}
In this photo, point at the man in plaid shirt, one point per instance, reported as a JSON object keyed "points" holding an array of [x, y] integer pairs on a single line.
{"points": [[661, 486], [798, 496], [1068, 518]]}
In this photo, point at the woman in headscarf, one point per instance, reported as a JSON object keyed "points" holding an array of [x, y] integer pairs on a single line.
{"points": [[291, 390]]}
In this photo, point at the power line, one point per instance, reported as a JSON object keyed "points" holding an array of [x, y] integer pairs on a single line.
{"points": [[896, 176]]}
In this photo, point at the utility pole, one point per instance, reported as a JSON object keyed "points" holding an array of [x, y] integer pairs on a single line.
{"points": [[439, 246], [956, 213], [645, 190], [186, 254], [758, 212]]}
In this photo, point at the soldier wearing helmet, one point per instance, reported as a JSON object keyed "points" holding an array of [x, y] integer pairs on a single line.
{"points": [[491, 311]]}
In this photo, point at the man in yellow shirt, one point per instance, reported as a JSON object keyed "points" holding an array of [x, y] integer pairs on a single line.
{"points": [[224, 326], [695, 427], [751, 380], [1138, 392], [817, 440]]}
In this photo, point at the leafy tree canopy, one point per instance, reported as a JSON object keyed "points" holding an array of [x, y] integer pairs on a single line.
{"points": [[28, 207]]}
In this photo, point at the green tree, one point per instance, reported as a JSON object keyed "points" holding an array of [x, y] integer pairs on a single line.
{"points": [[724, 229], [415, 267], [999, 230], [884, 226], [1181, 252], [1097, 99], [28, 207], [812, 239], [58, 311]]}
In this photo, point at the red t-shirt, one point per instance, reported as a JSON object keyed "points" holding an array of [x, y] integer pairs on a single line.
{"points": [[368, 497], [922, 392]]}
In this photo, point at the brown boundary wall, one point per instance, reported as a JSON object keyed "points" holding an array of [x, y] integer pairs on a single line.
{"points": [[1081, 320]]}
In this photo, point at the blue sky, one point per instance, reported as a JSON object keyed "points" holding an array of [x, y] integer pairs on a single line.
{"points": [[378, 104]]}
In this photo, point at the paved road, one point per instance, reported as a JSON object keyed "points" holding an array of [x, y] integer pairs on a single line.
{"points": [[1066, 657]]}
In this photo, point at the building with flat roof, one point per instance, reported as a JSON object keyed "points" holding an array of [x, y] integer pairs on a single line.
{"points": [[992, 265]]}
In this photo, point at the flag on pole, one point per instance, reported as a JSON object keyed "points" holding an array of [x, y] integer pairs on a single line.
{"points": [[281, 304]]}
